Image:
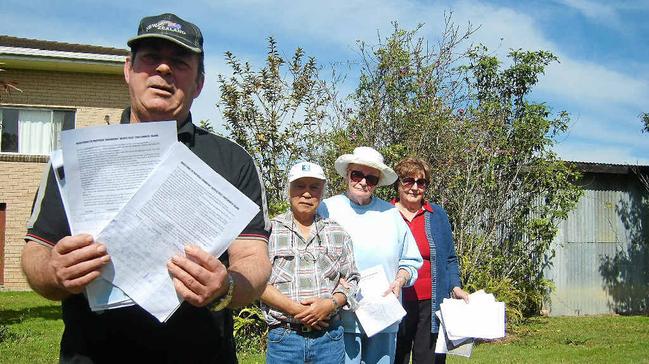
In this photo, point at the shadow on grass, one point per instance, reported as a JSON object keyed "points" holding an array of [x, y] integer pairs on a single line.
{"points": [[9, 317]]}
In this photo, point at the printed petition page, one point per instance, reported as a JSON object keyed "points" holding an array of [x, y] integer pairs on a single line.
{"points": [[104, 166], [184, 201]]}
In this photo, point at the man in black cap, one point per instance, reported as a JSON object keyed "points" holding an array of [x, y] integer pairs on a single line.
{"points": [[164, 74]]}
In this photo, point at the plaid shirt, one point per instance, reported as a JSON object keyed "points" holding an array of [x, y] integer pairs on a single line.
{"points": [[312, 268]]}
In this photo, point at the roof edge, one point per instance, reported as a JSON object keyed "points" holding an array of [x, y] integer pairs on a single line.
{"points": [[48, 45]]}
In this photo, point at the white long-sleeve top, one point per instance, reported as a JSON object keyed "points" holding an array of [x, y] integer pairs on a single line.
{"points": [[379, 236]]}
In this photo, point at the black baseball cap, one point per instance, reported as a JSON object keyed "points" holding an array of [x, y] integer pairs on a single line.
{"points": [[172, 28]]}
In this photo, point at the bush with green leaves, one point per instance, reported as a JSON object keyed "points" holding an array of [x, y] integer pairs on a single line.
{"points": [[494, 170], [250, 329], [278, 114], [462, 109]]}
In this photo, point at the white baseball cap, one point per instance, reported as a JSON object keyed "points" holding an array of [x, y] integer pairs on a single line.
{"points": [[305, 169]]}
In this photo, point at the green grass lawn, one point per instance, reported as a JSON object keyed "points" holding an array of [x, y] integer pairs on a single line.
{"points": [[30, 329]]}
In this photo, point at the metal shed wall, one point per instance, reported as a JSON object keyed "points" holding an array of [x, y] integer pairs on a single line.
{"points": [[601, 262]]}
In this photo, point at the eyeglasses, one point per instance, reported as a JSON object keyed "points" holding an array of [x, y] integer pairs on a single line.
{"points": [[370, 179], [408, 182]]}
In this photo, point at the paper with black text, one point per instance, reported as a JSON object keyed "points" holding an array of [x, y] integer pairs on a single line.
{"points": [[182, 202], [101, 294], [103, 167], [483, 317], [375, 311]]}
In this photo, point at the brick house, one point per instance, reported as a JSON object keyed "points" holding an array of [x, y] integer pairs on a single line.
{"points": [[64, 86]]}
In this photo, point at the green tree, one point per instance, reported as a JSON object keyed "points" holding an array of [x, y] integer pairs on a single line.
{"points": [[491, 149], [205, 124], [462, 110], [513, 188], [278, 114], [407, 92]]}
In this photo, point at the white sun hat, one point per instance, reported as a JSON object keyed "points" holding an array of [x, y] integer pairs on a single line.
{"points": [[366, 156], [305, 169]]}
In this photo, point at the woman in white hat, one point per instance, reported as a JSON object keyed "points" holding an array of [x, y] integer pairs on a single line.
{"points": [[380, 237]]}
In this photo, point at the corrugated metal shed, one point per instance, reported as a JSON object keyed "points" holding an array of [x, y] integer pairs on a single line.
{"points": [[601, 262]]}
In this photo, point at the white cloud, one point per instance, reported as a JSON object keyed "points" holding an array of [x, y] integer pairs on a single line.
{"points": [[204, 107], [329, 30], [605, 138], [591, 84], [596, 153], [593, 9]]}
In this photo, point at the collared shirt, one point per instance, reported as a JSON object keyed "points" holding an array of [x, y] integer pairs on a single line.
{"points": [[114, 333], [312, 267], [422, 289]]}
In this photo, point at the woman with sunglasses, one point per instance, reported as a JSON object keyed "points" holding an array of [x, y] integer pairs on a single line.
{"points": [[380, 237], [438, 277]]}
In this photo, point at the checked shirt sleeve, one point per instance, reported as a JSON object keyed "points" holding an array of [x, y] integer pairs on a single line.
{"points": [[350, 273]]}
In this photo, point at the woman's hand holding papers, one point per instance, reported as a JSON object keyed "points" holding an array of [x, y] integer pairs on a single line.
{"points": [[398, 283], [199, 277], [459, 293]]}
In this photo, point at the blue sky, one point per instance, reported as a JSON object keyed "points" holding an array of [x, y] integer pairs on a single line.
{"points": [[602, 79]]}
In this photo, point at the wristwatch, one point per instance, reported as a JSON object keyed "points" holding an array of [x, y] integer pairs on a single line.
{"points": [[224, 301]]}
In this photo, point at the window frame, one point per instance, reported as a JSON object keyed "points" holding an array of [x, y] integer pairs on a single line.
{"points": [[50, 109]]}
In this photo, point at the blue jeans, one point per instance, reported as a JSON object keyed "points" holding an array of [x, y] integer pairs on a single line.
{"points": [[379, 348], [289, 346]]}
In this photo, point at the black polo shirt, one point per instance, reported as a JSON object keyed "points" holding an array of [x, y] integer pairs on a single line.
{"points": [[192, 334]]}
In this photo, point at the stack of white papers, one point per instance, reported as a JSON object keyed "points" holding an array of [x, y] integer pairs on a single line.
{"points": [[145, 196], [104, 167], [483, 317], [375, 311]]}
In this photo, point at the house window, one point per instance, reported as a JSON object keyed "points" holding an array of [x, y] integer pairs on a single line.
{"points": [[33, 131]]}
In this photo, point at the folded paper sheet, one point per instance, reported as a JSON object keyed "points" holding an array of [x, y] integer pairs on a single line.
{"points": [[482, 317], [375, 311], [182, 202]]}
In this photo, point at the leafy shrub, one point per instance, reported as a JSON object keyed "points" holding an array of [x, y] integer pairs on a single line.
{"points": [[250, 329]]}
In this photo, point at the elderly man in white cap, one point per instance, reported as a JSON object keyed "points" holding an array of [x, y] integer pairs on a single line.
{"points": [[310, 255], [380, 237]]}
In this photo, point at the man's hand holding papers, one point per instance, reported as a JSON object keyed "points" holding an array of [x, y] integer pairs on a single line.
{"points": [[182, 201], [77, 261], [103, 168], [197, 276], [162, 197]]}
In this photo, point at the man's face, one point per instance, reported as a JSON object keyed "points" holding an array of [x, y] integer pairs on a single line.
{"points": [[305, 195], [162, 81]]}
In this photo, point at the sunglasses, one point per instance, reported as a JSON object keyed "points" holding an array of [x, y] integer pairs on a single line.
{"points": [[358, 176], [408, 182]]}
